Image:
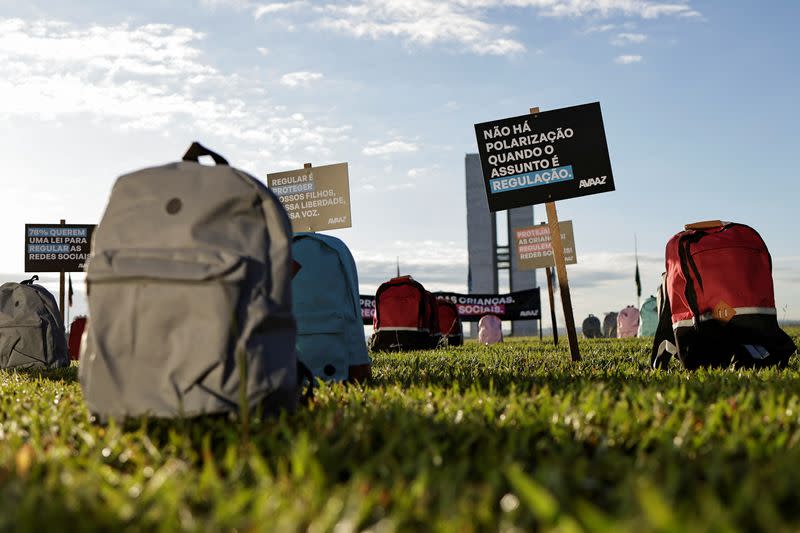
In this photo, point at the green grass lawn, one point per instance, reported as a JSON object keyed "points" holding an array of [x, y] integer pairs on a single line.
{"points": [[512, 437]]}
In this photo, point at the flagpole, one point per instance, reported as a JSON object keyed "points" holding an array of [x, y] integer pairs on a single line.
{"points": [[638, 276], [69, 302]]}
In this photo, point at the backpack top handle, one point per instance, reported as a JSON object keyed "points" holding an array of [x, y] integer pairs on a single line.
{"points": [[196, 150], [30, 281], [705, 224]]}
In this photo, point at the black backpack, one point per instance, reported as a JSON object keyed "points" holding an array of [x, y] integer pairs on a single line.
{"points": [[31, 329], [591, 327]]}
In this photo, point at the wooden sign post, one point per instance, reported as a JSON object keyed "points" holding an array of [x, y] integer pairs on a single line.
{"points": [[549, 273], [563, 282], [307, 166], [61, 286]]}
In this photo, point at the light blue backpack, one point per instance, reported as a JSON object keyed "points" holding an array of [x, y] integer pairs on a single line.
{"points": [[330, 330], [648, 317]]}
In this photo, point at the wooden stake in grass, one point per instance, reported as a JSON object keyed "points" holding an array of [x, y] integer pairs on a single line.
{"points": [[561, 270], [307, 166], [549, 272], [61, 287]]}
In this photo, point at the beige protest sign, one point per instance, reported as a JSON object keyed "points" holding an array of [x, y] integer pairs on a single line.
{"points": [[534, 249], [316, 198]]}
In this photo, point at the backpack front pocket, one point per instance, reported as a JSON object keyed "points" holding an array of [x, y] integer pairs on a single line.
{"points": [[163, 323], [22, 346], [322, 346]]}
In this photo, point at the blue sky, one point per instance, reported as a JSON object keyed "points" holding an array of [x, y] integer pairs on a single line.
{"points": [[698, 99]]}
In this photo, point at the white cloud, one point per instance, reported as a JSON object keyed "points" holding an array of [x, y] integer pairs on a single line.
{"points": [[235, 4], [391, 147], [602, 8], [401, 186], [259, 10], [421, 22], [628, 59], [151, 77], [152, 49], [464, 25], [302, 78], [602, 28], [623, 39], [51, 68], [263, 51], [422, 171]]}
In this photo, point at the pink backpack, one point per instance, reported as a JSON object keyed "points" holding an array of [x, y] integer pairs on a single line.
{"points": [[627, 322], [490, 329]]}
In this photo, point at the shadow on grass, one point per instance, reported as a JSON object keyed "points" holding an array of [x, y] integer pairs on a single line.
{"points": [[68, 374]]}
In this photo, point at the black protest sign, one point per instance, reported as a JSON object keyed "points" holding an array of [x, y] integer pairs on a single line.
{"points": [[57, 247], [367, 308], [519, 305], [544, 157]]}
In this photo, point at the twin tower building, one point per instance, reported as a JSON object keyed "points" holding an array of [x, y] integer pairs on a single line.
{"points": [[487, 259]]}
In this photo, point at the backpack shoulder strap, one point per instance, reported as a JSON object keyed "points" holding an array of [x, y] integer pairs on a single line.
{"points": [[196, 150], [664, 346], [305, 378]]}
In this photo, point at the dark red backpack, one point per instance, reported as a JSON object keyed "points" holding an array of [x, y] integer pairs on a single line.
{"points": [[449, 323], [433, 320], [404, 316], [75, 334], [717, 302]]}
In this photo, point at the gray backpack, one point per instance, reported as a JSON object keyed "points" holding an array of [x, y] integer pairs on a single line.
{"points": [[610, 325], [31, 330], [189, 290]]}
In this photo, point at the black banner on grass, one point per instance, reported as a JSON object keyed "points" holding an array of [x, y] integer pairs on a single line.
{"points": [[519, 305], [367, 308]]}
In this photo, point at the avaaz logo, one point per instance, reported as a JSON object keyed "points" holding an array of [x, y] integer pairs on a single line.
{"points": [[593, 182]]}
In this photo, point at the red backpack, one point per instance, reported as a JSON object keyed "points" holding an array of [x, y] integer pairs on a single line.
{"points": [[75, 335], [405, 317], [449, 323], [717, 303]]}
